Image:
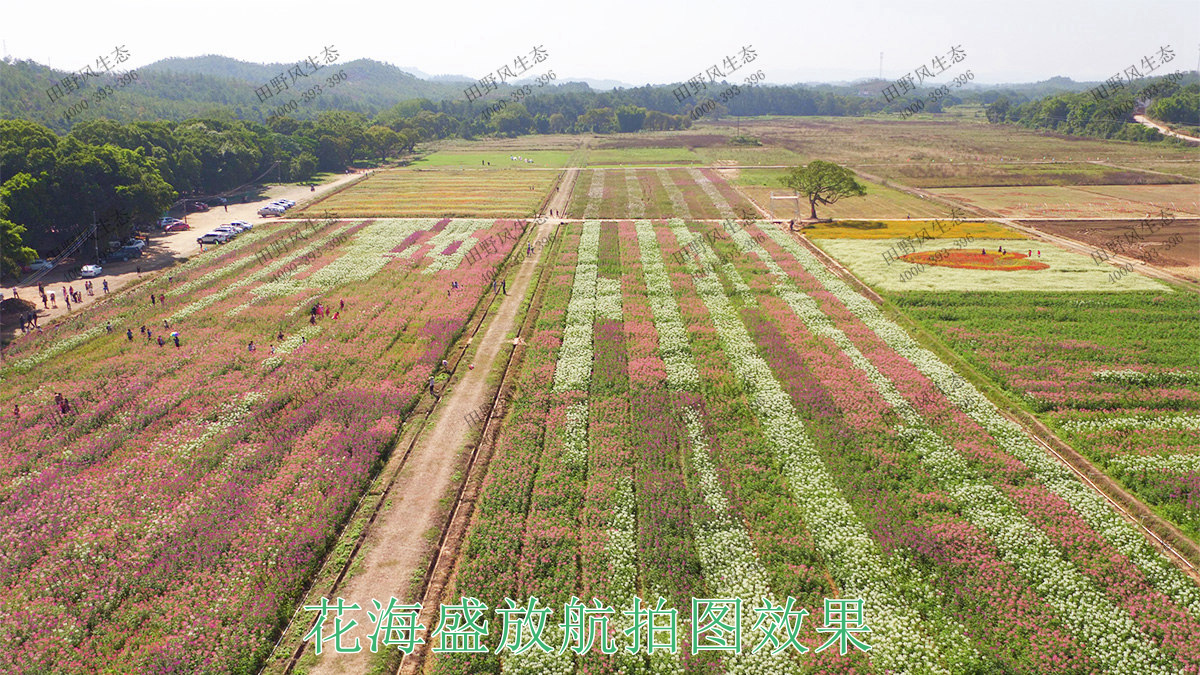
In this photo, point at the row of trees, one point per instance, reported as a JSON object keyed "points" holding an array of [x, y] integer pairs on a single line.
{"points": [[1109, 117]]}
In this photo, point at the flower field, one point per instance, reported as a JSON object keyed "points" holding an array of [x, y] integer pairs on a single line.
{"points": [[441, 192], [1120, 379], [170, 520], [690, 193], [742, 424]]}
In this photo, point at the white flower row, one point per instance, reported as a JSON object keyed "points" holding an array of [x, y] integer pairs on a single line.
{"points": [[1163, 575], [64, 345], [1168, 463], [1137, 377], [637, 207], [595, 194], [574, 368], [673, 191], [900, 644], [1178, 422], [731, 565], [672, 336], [264, 272], [289, 344], [713, 193], [230, 416]]}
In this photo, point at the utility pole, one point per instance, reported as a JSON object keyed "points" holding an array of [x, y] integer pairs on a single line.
{"points": [[881, 65]]}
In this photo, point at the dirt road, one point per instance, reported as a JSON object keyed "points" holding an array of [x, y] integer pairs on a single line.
{"points": [[1146, 121], [398, 543]]}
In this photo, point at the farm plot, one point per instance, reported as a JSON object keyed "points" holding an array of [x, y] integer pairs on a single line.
{"points": [[1107, 201], [880, 202], [877, 263], [737, 423], [441, 193], [656, 193], [977, 174], [1118, 375], [199, 484]]}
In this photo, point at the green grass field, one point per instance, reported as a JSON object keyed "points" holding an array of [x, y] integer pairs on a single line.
{"points": [[499, 159]]}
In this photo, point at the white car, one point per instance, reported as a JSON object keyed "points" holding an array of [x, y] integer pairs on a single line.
{"points": [[90, 271], [213, 238], [136, 243], [242, 224], [230, 232], [39, 265], [288, 202], [271, 211]]}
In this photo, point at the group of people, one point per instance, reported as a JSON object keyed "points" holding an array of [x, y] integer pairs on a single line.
{"points": [[162, 299], [149, 335], [29, 321], [321, 310], [518, 158]]}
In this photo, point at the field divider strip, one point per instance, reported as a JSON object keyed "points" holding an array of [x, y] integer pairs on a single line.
{"points": [[467, 494]]}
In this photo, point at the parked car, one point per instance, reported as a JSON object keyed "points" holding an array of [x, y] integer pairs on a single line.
{"points": [[136, 243], [39, 265], [177, 227], [90, 271], [191, 207], [125, 253], [270, 211], [213, 238], [243, 224], [164, 222]]}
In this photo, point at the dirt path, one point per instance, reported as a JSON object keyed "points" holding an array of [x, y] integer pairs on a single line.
{"points": [[163, 249], [398, 543], [1146, 121]]}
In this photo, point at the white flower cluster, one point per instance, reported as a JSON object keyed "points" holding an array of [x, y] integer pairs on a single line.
{"points": [[637, 207], [1179, 422], [672, 336], [900, 644], [454, 231], [575, 436], [677, 200], [713, 193], [1163, 575], [608, 298], [1139, 378], [1167, 463], [574, 368], [595, 194]]}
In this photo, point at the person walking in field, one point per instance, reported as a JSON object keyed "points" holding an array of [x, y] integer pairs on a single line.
{"points": [[53, 301], [105, 284], [160, 341], [176, 341], [151, 298], [129, 334]]}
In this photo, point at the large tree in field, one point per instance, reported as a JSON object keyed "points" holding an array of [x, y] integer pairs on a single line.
{"points": [[823, 182]]}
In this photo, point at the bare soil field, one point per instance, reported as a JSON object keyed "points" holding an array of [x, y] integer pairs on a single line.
{"points": [[1182, 257], [1103, 201]]}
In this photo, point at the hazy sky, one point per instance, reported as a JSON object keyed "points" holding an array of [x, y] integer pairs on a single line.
{"points": [[632, 41]]}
